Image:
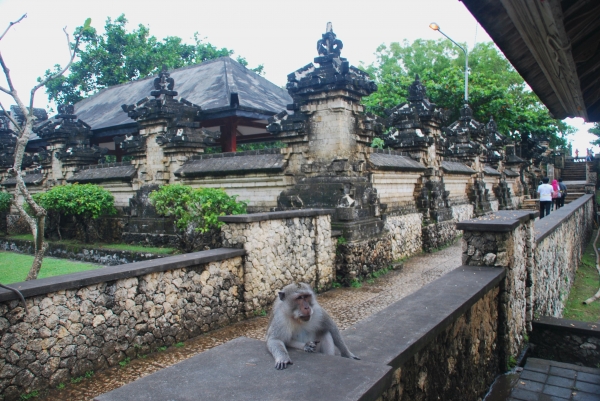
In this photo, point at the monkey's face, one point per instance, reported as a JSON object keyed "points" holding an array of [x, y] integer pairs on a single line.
{"points": [[303, 309]]}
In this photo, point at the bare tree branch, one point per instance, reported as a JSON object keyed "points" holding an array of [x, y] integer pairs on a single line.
{"points": [[13, 23], [12, 120], [72, 54]]}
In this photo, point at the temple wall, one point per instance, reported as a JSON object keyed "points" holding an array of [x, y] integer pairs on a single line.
{"points": [[405, 234], [396, 189], [259, 190], [457, 185]]}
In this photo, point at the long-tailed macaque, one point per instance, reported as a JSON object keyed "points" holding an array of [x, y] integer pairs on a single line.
{"points": [[298, 321]]}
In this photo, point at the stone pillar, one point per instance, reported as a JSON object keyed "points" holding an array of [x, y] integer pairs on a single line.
{"points": [[281, 248], [506, 239]]}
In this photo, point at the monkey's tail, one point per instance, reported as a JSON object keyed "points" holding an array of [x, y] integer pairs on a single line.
{"points": [[19, 294]]}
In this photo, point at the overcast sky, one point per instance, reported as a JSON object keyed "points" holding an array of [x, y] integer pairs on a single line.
{"points": [[280, 34]]}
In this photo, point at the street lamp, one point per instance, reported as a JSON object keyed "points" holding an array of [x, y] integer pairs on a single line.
{"points": [[436, 27]]}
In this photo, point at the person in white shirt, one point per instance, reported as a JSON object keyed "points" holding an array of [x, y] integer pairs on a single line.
{"points": [[545, 191]]}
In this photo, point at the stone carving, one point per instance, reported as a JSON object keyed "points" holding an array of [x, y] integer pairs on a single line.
{"points": [[65, 128], [182, 128], [494, 143], [465, 137]]}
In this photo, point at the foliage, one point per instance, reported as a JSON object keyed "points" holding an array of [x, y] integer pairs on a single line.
{"points": [[595, 130], [89, 200], [82, 201], [196, 211], [584, 286], [5, 200], [118, 56], [377, 143], [14, 267], [495, 88]]}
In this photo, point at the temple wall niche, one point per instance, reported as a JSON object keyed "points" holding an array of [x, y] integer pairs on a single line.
{"points": [[457, 185]]}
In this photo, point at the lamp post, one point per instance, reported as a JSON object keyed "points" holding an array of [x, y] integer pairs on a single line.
{"points": [[436, 27]]}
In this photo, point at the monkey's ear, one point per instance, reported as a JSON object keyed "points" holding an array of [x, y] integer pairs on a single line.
{"points": [[281, 295]]}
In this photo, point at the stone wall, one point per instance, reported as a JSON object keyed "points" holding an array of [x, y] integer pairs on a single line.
{"points": [[512, 250], [72, 327], [405, 233], [460, 363], [568, 341], [462, 212], [281, 247], [540, 261], [561, 240]]}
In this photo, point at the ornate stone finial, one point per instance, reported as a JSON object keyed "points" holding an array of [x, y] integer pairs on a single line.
{"points": [[66, 111], [164, 84], [466, 113], [416, 91], [329, 45], [491, 125]]}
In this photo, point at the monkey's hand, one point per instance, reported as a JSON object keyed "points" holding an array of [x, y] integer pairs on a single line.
{"points": [[282, 363], [310, 346]]}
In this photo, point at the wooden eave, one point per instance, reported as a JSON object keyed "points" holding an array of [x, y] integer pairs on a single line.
{"points": [[554, 45]]}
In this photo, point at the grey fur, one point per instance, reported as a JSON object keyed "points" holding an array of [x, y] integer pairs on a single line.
{"points": [[319, 334]]}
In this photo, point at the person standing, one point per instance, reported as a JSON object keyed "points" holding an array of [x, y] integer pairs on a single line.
{"points": [[555, 195], [563, 192], [545, 191], [576, 153]]}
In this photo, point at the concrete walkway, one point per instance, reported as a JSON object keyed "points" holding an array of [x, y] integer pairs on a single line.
{"points": [[346, 305], [543, 380]]}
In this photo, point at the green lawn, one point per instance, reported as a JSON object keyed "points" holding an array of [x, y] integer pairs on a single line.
{"points": [[118, 247], [15, 266], [586, 284]]}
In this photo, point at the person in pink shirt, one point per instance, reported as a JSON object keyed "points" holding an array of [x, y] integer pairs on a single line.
{"points": [[555, 195]]}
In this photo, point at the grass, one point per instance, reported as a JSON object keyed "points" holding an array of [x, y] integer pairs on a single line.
{"points": [[117, 247], [15, 266], [586, 284]]}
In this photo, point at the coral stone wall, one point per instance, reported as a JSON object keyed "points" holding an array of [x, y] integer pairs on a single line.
{"points": [[462, 212], [513, 251], [405, 234], [559, 249], [282, 251], [460, 363], [69, 332]]}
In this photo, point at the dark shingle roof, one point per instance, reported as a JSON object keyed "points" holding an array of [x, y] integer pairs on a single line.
{"points": [[488, 170], [209, 85], [456, 168], [510, 173], [264, 161], [29, 179], [394, 162], [108, 172]]}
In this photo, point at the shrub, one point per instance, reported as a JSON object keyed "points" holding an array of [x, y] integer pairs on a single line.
{"points": [[5, 199], [195, 211], [84, 202]]}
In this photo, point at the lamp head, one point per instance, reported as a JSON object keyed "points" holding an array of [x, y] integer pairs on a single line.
{"points": [[434, 26]]}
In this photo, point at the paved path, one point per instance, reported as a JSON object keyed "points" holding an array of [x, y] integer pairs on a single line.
{"points": [[543, 380], [346, 305]]}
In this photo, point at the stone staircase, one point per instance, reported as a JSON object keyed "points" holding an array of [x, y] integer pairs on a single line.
{"points": [[574, 171], [575, 189]]}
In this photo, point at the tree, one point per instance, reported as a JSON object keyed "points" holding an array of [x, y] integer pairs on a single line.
{"points": [[495, 88], [196, 211], [5, 201], [595, 130], [119, 56], [24, 130], [84, 202]]}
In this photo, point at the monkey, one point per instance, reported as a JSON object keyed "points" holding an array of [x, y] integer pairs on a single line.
{"points": [[298, 321]]}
